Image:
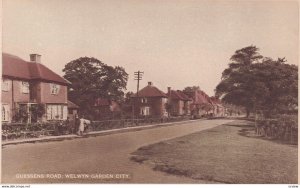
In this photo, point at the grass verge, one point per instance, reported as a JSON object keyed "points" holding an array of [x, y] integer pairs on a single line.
{"points": [[229, 153]]}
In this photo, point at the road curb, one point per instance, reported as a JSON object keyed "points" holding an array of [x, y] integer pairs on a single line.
{"points": [[90, 134]]}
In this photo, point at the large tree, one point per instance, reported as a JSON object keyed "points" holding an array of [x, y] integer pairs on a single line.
{"points": [[259, 83], [92, 79], [280, 86], [236, 85]]}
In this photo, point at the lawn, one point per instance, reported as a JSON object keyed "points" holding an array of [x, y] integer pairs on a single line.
{"points": [[229, 153]]}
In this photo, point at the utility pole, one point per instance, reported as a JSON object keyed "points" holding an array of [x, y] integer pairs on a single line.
{"points": [[137, 76]]}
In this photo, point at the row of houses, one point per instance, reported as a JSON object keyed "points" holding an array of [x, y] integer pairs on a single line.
{"points": [[42, 95], [151, 101]]}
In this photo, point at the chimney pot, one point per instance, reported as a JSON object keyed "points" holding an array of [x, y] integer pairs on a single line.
{"points": [[169, 90], [36, 58]]}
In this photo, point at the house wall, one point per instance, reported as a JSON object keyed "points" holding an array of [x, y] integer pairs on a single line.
{"points": [[187, 105], [156, 104], [39, 92], [35, 92], [17, 93], [14, 95], [6, 99], [178, 107], [45, 96], [6, 96], [160, 107]]}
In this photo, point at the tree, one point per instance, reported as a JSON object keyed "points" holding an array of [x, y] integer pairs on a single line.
{"points": [[259, 83], [191, 89], [280, 81], [93, 79], [236, 84]]}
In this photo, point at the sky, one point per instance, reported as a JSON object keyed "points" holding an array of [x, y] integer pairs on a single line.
{"points": [[176, 43]]}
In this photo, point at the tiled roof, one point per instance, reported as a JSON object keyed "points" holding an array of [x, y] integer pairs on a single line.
{"points": [[15, 67], [151, 91], [179, 95], [201, 97]]}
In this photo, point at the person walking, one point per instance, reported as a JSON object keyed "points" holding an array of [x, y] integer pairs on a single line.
{"points": [[83, 123]]}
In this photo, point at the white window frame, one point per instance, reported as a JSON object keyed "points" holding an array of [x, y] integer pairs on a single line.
{"points": [[144, 100], [24, 87], [57, 112], [145, 110], [54, 89], [164, 100], [5, 112], [5, 84]]}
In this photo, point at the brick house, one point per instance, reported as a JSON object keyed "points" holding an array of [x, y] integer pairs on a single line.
{"points": [[106, 109], [218, 109], [179, 103], [150, 101], [26, 85], [201, 104]]}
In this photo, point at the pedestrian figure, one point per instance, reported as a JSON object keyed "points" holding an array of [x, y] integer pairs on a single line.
{"points": [[82, 125]]}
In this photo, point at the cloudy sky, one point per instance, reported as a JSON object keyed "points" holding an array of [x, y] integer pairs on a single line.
{"points": [[176, 43]]}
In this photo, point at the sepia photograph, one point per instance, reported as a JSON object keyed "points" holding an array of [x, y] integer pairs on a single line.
{"points": [[149, 92]]}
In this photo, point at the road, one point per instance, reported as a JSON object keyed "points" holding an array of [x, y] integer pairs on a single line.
{"points": [[100, 159]]}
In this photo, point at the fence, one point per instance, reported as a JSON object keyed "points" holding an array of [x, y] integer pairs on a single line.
{"points": [[284, 128], [12, 131]]}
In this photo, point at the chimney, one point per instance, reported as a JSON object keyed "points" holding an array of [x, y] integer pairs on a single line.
{"points": [[149, 83], [36, 58], [169, 90]]}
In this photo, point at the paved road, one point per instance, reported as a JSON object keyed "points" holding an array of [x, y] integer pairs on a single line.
{"points": [[94, 157]]}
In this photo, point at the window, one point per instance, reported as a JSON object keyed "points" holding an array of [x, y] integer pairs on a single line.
{"points": [[57, 112], [164, 100], [145, 111], [5, 112], [54, 89], [144, 100], [5, 85], [25, 87]]}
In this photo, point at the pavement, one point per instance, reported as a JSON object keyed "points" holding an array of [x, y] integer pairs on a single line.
{"points": [[96, 158], [94, 133]]}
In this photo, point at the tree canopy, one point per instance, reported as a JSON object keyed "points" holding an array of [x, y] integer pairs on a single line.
{"points": [[259, 83], [93, 79], [191, 88]]}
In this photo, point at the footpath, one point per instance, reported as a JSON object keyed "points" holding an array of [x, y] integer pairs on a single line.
{"points": [[93, 133]]}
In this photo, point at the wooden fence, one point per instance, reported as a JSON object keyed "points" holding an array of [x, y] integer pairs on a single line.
{"points": [[284, 129]]}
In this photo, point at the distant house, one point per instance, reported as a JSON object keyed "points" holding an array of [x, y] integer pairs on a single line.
{"points": [[150, 101], [106, 109], [28, 86], [201, 104], [179, 103], [218, 109]]}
